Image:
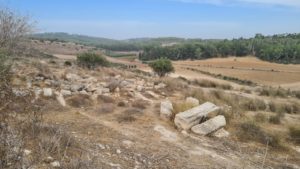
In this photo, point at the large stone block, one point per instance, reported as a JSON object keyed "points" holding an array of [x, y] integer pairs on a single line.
{"points": [[186, 120]]}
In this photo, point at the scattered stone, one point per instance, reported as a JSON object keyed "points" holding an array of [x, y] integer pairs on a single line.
{"points": [[49, 159], [166, 134], [72, 77], [210, 125], [101, 146], [20, 93], [105, 90], [83, 92], [76, 87], [139, 88], [47, 92], [127, 143], [118, 151], [221, 133], [166, 110], [152, 94], [60, 99], [55, 164], [124, 83], [192, 101], [186, 120], [160, 86], [66, 92], [27, 152]]}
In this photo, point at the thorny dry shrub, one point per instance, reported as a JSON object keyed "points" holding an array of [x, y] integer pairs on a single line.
{"points": [[140, 104], [105, 99], [105, 108], [129, 115], [80, 100]]}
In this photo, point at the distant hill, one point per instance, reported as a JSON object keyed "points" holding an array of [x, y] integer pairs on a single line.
{"points": [[111, 44]]}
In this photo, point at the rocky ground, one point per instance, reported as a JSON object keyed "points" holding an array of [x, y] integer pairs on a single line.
{"points": [[113, 117]]}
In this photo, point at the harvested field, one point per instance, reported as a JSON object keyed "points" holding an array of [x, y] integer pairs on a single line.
{"points": [[247, 68]]}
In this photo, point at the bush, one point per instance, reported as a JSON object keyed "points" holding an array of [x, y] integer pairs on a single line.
{"points": [[91, 60], [68, 63], [162, 66], [79, 100]]}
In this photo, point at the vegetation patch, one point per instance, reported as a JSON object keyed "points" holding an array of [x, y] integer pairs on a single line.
{"points": [[91, 60], [79, 100], [295, 134], [162, 66], [250, 131]]}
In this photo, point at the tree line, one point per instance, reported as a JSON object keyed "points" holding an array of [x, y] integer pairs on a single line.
{"points": [[283, 48]]}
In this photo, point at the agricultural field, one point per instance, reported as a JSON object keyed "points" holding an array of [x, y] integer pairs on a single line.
{"points": [[246, 68]]}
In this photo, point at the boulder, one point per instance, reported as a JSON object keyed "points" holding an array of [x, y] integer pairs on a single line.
{"points": [[186, 120], [210, 125], [47, 92], [166, 110], [221, 133], [192, 101]]}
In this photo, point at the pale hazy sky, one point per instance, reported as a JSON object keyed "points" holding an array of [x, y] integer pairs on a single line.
{"points": [[121, 19]]}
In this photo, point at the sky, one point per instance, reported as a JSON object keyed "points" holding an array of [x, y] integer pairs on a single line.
{"points": [[123, 19]]}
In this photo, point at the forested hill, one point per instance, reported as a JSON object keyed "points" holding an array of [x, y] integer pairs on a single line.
{"points": [[283, 48], [110, 44]]}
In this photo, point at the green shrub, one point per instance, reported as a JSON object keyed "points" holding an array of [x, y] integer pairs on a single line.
{"points": [[162, 66], [68, 63], [91, 60]]}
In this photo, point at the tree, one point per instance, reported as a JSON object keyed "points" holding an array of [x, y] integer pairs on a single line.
{"points": [[162, 66], [13, 30], [91, 60]]}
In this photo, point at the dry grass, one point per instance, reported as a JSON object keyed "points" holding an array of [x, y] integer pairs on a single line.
{"points": [[295, 134], [290, 108], [260, 118], [105, 108], [79, 100], [250, 131], [172, 83], [212, 84]]}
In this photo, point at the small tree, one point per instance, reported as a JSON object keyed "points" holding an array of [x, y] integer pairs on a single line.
{"points": [[162, 66], [91, 60], [14, 29]]}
